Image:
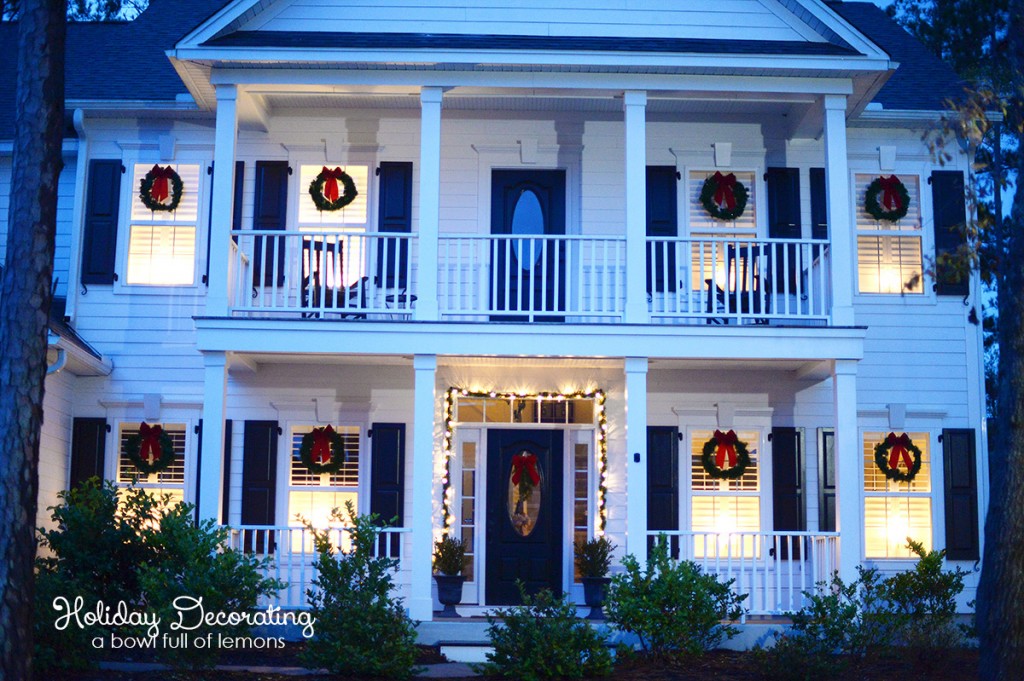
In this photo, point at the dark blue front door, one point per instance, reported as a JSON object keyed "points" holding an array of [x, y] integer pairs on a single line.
{"points": [[524, 513]]}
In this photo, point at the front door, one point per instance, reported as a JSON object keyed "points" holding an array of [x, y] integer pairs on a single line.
{"points": [[528, 274], [524, 513]]}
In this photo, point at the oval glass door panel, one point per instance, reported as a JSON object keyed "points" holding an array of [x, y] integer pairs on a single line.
{"points": [[525, 492], [527, 219]]}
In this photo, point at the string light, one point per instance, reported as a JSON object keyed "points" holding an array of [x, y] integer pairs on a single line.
{"points": [[448, 490]]}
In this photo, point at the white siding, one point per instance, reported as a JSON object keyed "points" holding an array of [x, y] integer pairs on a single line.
{"points": [[55, 442]]}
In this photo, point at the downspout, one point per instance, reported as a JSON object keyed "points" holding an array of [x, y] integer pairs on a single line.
{"points": [[78, 215]]}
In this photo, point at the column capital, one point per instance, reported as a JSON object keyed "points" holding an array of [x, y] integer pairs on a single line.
{"points": [[835, 102], [227, 92], [424, 362], [844, 367], [431, 94], [213, 360], [634, 98], [636, 365]]}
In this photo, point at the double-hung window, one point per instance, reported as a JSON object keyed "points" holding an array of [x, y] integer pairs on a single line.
{"points": [[170, 480], [889, 253], [162, 244], [312, 496], [334, 253], [719, 240], [894, 511], [725, 508]]}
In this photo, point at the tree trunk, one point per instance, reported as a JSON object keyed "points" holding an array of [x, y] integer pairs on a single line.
{"points": [[25, 296]]}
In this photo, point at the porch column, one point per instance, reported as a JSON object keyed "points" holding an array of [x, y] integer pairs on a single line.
{"points": [[421, 604], [635, 105], [837, 181], [225, 138], [211, 483], [849, 468], [636, 457], [430, 201]]}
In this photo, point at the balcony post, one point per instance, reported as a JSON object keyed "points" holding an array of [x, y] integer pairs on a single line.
{"points": [[839, 208], [635, 106], [421, 523], [225, 139], [211, 481], [430, 201], [849, 468], [636, 457]]}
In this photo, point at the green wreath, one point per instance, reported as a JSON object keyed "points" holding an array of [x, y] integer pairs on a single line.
{"points": [[161, 188], [329, 179], [893, 192], [731, 191], [149, 438], [727, 441], [888, 461], [318, 443]]}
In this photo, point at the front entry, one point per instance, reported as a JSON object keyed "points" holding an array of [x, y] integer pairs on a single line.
{"points": [[524, 513]]}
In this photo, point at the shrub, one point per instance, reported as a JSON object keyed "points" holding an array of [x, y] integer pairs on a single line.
{"points": [[926, 597], [544, 639], [449, 555], [361, 629], [674, 608], [594, 556]]}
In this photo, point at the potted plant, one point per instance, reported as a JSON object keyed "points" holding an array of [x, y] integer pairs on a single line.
{"points": [[593, 558], [449, 554]]}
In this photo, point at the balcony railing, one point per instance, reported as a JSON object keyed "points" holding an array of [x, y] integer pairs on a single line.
{"points": [[289, 555], [774, 569]]}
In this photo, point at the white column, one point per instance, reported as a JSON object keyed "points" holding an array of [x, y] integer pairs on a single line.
{"points": [[225, 139], [635, 105], [840, 229], [849, 469], [636, 457], [430, 203], [421, 604], [211, 481]]}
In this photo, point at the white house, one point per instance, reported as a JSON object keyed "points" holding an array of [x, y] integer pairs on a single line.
{"points": [[524, 282]]}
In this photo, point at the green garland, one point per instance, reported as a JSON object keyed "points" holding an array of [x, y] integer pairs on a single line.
{"points": [[707, 197], [707, 459], [882, 450], [337, 444], [133, 449], [875, 209], [146, 189], [347, 196]]}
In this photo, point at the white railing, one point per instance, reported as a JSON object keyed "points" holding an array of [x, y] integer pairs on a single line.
{"points": [[322, 274], [532, 278], [774, 569], [289, 555], [738, 280]]}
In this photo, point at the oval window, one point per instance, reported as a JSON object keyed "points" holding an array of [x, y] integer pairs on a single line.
{"points": [[527, 219], [525, 492]]}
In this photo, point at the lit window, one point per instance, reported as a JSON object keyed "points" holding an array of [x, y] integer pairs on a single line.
{"points": [[170, 480], [708, 257], [162, 244], [894, 510], [312, 496], [889, 253], [725, 506], [352, 215]]}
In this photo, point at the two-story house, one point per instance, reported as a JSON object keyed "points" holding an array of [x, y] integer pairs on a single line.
{"points": [[549, 270]]}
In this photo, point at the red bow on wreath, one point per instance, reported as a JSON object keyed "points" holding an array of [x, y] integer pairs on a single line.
{"points": [[899, 448], [527, 462], [161, 188], [726, 448], [331, 177], [890, 193], [725, 195], [150, 449], [321, 453]]}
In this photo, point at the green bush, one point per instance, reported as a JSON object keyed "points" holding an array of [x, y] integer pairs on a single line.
{"points": [[449, 555], [674, 608], [594, 556], [361, 629], [544, 639], [926, 598]]}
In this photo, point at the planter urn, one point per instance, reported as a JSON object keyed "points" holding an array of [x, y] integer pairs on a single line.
{"points": [[449, 593], [594, 589]]}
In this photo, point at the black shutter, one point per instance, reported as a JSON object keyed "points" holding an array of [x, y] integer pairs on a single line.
{"points": [[783, 203], [961, 494], [259, 472], [387, 472], [394, 214], [236, 214], [663, 481], [102, 205], [270, 212], [226, 472], [662, 220], [950, 214], [787, 488], [819, 204], [827, 482], [88, 444]]}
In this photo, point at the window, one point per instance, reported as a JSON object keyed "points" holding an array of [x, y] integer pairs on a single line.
{"points": [[313, 496], [162, 244], [335, 261], [894, 510], [354, 215], [889, 253], [581, 458], [725, 506], [170, 480], [467, 516], [707, 257]]}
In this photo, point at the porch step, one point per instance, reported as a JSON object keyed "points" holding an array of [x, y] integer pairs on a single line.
{"points": [[465, 651]]}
